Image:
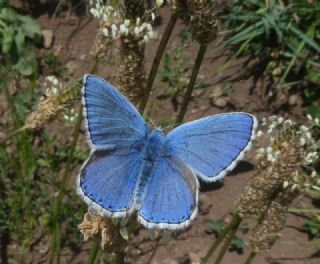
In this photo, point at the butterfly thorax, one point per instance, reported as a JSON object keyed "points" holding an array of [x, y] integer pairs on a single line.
{"points": [[155, 144]]}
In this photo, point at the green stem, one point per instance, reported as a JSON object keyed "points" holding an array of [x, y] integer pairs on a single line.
{"points": [[157, 59], [195, 71], [236, 222], [58, 201], [303, 210], [250, 257], [118, 258], [291, 63], [94, 253], [13, 134]]}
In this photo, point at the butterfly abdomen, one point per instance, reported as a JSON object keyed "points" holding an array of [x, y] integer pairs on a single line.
{"points": [[153, 150], [142, 182]]}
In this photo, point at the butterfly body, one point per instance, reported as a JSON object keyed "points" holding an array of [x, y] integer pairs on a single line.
{"points": [[132, 169], [155, 145]]}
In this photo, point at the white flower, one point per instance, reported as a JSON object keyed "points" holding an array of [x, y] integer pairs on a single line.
{"points": [[280, 120], [308, 135], [122, 28], [311, 157], [150, 34], [54, 91], [138, 21], [153, 16], [149, 27], [302, 141], [145, 38], [288, 122], [259, 133], [105, 32], [270, 157], [277, 153], [159, 3], [136, 31], [127, 22], [264, 121], [114, 27], [313, 174], [269, 149]]}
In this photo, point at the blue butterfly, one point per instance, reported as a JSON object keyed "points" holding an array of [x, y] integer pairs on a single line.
{"points": [[133, 169]]}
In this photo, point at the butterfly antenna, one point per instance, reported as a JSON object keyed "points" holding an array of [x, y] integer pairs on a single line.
{"points": [[148, 118]]}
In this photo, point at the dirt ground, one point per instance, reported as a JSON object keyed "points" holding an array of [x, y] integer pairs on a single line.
{"points": [[73, 38]]}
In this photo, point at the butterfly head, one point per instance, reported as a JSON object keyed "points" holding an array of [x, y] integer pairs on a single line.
{"points": [[155, 143]]}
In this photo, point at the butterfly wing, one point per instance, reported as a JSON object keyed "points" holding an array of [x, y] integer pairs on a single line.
{"points": [[171, 195], [213, 145], [110, 118], [107, 180]]}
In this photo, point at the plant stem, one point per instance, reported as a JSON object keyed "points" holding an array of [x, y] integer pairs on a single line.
{"points": [[94, 253], [235, 224], [13, 134], [250, 257], [195, 71], [118, 258], [5, 240], [236, 220], [58, 201], [157, 59], [303, 210]]}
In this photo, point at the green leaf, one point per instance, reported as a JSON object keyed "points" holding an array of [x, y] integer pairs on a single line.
{"points": [[305, 38], [124, 233], [26, 65], [314, 111], [7, 40], [30, 27], [43, 163], [217, 226], [237, 243], [3, 3], [19, 40]]}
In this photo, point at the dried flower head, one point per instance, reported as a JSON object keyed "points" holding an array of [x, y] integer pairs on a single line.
{"points": [[269, 229], [203, 21], [131, 72], [118, 22], [180, 8], [201, 17], [289, 148], [130, 23], [57, 97], [93, 224], [133, 8]]}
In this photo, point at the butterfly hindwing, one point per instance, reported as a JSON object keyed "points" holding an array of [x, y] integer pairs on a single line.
{"points": [[213, 145], [110, 118], [107, 180], [171, 196]]}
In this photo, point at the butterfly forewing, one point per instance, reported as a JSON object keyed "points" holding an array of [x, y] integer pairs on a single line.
{"points": [[213, 145], [111, 120]]}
